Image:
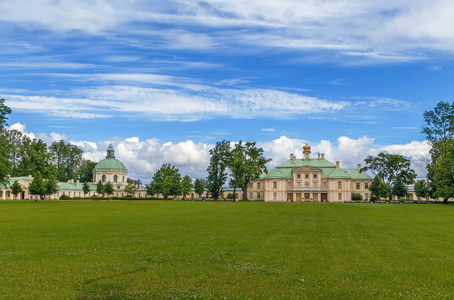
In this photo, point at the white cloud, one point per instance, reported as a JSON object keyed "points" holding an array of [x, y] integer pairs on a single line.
{"points": [[371, 31], [434, 68], [269, 129]]}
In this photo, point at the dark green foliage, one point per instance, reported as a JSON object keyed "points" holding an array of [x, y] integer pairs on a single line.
{"points": [[374, 188], [37, 186], [357, 197], [157, 183], [86, 188], [108, 188], [217, 170], [421, 189], [64, 197], [199, 187], [99, 188], [389, 168], [86, 171], [67, 160], [51, 185], [16, 188], [186, 186], [130, 188], [399, 189], [4, 112], [167, 186], [384, 190]]}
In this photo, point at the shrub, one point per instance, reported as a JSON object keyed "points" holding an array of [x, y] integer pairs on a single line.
{"points": [[94, 196], [64, 197], [357, 197]]}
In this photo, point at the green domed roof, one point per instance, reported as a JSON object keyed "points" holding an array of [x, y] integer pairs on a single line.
{"points": [[110, 163]]}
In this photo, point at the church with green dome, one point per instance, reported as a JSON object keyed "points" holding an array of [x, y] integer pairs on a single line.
{"points": [[111, 170]]}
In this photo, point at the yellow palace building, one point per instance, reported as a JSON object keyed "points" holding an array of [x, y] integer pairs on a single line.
{"points": [[310, 179]]}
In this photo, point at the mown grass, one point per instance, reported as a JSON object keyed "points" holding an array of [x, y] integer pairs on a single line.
{"points": [[153, 249]]}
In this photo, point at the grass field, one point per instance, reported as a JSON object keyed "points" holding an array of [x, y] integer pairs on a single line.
{"points": [[181, 250]]}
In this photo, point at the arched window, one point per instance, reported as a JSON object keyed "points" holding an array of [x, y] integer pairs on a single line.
{"points": [[115, 178], [103, 178]]}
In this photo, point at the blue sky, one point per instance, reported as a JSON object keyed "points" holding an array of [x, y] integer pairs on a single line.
{"points": [[164, 81]]}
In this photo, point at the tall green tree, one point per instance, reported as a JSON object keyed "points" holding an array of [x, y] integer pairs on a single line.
{"points": [[99, 188], [237, 165], [399, 189], [16, 188], [108, 189], [86, 171], [37, 186], [254, 165], [5, 164], [384, 190], [199, 187], [390, 167], [421, 190], [439, 126], [217, 170], [186, 186], [51, 186], [15, 141], [67, 160], [167, 186], [374, 188], [86, 188], [157, 182], [130, 188]]}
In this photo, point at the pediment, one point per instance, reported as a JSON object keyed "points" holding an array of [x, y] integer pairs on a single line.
{"points": [[306, 169]]}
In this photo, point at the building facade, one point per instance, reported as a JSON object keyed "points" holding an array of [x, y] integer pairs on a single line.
{"points": [[310, 180]]}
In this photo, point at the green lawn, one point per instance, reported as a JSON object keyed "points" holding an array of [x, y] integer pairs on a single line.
{"points": [[180, 250]]}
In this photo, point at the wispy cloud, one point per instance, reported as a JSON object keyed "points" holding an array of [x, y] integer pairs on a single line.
{"points": [[269, 129]]}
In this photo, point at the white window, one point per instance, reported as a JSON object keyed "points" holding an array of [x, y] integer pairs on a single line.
{"points": [[339, 184], [258, 185], [366, 185], [315, 184], [298, 175], [358, 185], [274, 196], [324, 184], [298, 184], [306, 175], [274, 184], [366, 197], [258, 195], [289, 184], [306, 184], [339, 196], [315, 175], [251, 195]]}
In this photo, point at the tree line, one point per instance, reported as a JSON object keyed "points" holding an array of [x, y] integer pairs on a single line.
{"points": [[241, 162]]}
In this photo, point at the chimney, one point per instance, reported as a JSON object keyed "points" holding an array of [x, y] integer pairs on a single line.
{"points": [[359, 167], [323, 155], [140, 186], [319, 156], [266, 172], [337, 164], [291, 155], [294, 159], [77, 181]]}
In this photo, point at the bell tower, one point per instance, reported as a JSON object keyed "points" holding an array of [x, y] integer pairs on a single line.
{"points": [[307, 151], [110, 152]]}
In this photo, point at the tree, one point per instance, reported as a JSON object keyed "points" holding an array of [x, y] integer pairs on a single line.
{"points": [[199, 187], [254, 165], [51, 186], [217, 170], [4, 112], [421, 190], [86, 171], [237, 161], [157, 182], [186, 185], [99, 188], [167, 186], [152, 189], [5, 165], [390, 167], [440, 125], [374, 188], [399, 189], [384, 190], [86, 188], [130, 189], [109, 189], [37, 186], [67, 159], [16, 188], [15, 140]]}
